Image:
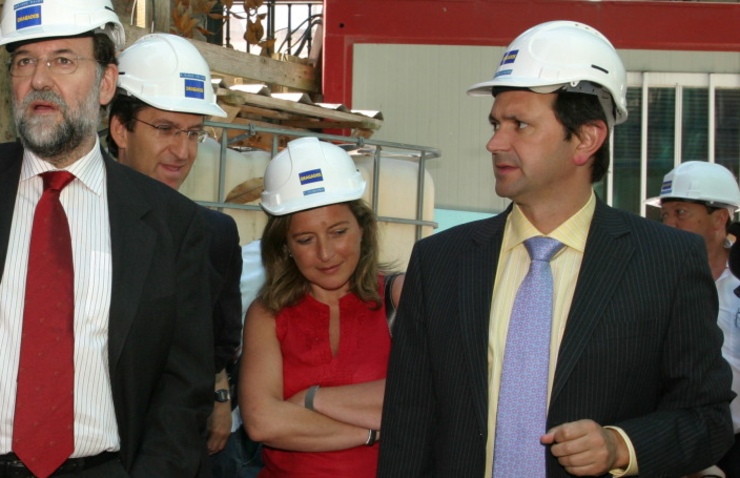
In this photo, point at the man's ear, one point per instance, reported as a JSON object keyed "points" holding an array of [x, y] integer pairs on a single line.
{"points": [[118, 131], [108, 84], [591, 136], [720, 218]]}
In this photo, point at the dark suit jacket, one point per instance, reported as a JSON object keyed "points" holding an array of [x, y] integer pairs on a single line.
{"points": [[160, 343], [225, 256], [641, 351]]}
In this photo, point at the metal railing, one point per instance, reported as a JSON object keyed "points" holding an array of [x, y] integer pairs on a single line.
{"points": [[298, 36], [423, 154]]}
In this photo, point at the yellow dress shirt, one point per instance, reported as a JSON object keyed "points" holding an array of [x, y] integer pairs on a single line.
{"points": [[512, 267]]}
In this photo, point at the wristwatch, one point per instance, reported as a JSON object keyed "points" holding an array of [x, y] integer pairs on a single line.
{"points": [[222, 395]]}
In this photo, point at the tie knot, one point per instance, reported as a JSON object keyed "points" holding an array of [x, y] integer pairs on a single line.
{"points": [[56, 180], [542, 248]]}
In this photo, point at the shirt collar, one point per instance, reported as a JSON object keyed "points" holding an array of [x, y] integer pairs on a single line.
{"points": [[89, 169], [572, 233]]}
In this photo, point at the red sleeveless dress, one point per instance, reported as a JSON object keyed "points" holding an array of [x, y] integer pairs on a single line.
{"points": [[364, 346]]}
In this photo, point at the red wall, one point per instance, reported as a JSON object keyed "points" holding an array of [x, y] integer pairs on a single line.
{"points": [[665, 25]]}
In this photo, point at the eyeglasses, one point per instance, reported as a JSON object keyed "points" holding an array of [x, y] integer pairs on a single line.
{"points": [[168, 132], [21, 66]]}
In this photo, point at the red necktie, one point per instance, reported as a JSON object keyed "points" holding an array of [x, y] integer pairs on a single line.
{"points": [[43, 431]]}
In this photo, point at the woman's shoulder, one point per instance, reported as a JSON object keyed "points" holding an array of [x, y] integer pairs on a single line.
{"points": [[258, 311]]}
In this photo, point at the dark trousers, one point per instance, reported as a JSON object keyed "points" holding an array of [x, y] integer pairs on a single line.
{"points": [[240, 459], [111, 469], [730, 463]]}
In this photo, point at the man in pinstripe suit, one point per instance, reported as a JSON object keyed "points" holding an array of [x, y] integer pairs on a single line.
{"points": [[637, 384]]}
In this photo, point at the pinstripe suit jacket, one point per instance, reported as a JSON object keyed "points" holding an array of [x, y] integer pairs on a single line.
{"points": [[641, 350]]}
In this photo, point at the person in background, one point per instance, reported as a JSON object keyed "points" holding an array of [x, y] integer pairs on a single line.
{"points": [[562, 337], [316, 340], [106, 363], [155, 126], [702, 198], [245, 453]]}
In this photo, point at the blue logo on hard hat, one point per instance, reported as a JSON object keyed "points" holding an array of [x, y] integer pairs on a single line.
{"points": [[509, 57], [667, 187], [194, 85], [312, 176], [28, 17]]}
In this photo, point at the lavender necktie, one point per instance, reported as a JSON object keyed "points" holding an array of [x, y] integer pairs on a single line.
{"points": [[522, 401]]}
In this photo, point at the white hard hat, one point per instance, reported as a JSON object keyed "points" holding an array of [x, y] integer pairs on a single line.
{"points": [[167, 72], [25, 20], [710, 183], [563, 55], [310, 173]]}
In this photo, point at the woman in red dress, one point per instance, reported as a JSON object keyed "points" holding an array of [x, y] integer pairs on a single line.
{"points": [[316, 340]]}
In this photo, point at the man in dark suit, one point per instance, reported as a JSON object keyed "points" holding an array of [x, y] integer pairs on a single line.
{"points": [[155, 126], [636, 381], [142, 345]]}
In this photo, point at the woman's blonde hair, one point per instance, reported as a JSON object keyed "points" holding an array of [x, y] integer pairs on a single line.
{"points": [[285, 285]]}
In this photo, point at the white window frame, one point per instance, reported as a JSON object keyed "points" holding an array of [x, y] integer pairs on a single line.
{"points": [[679, 81]]}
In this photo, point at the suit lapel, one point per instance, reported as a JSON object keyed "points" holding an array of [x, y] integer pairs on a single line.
{"points": [[477, 272], [10, 173], [608, 251], [132, 246]]}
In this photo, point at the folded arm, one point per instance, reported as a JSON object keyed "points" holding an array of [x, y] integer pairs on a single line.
{"points": [[269, 418], [360, 404]]}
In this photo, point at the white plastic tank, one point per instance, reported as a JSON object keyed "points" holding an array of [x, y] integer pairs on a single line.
{"points": [[397, 198], [202, 183]]}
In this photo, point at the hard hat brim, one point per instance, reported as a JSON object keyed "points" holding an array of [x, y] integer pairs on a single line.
{"points": [[485, 88], [183, 105]]}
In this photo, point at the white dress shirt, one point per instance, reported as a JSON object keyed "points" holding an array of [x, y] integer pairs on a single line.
{"points": [[729, 321], [85, 202]]}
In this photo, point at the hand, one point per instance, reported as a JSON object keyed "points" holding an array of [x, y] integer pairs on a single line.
{"points": [[585, 448], [219, 427]]}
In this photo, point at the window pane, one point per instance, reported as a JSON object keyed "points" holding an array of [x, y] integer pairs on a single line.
{"points": [[727, 146], [626, 165], [661, 140], [695, 127]]}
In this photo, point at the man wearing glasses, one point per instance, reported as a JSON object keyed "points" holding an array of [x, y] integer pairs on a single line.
{"points": [[164, 95], [106, 359], [156, 124]]}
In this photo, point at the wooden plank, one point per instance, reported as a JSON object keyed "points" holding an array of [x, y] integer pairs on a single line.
{"points": [[161, 15], [258, 68], [257, 113], [302, 109], [318, 124]]}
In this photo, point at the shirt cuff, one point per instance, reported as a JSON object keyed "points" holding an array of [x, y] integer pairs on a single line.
{"points": [[632, 468]]}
